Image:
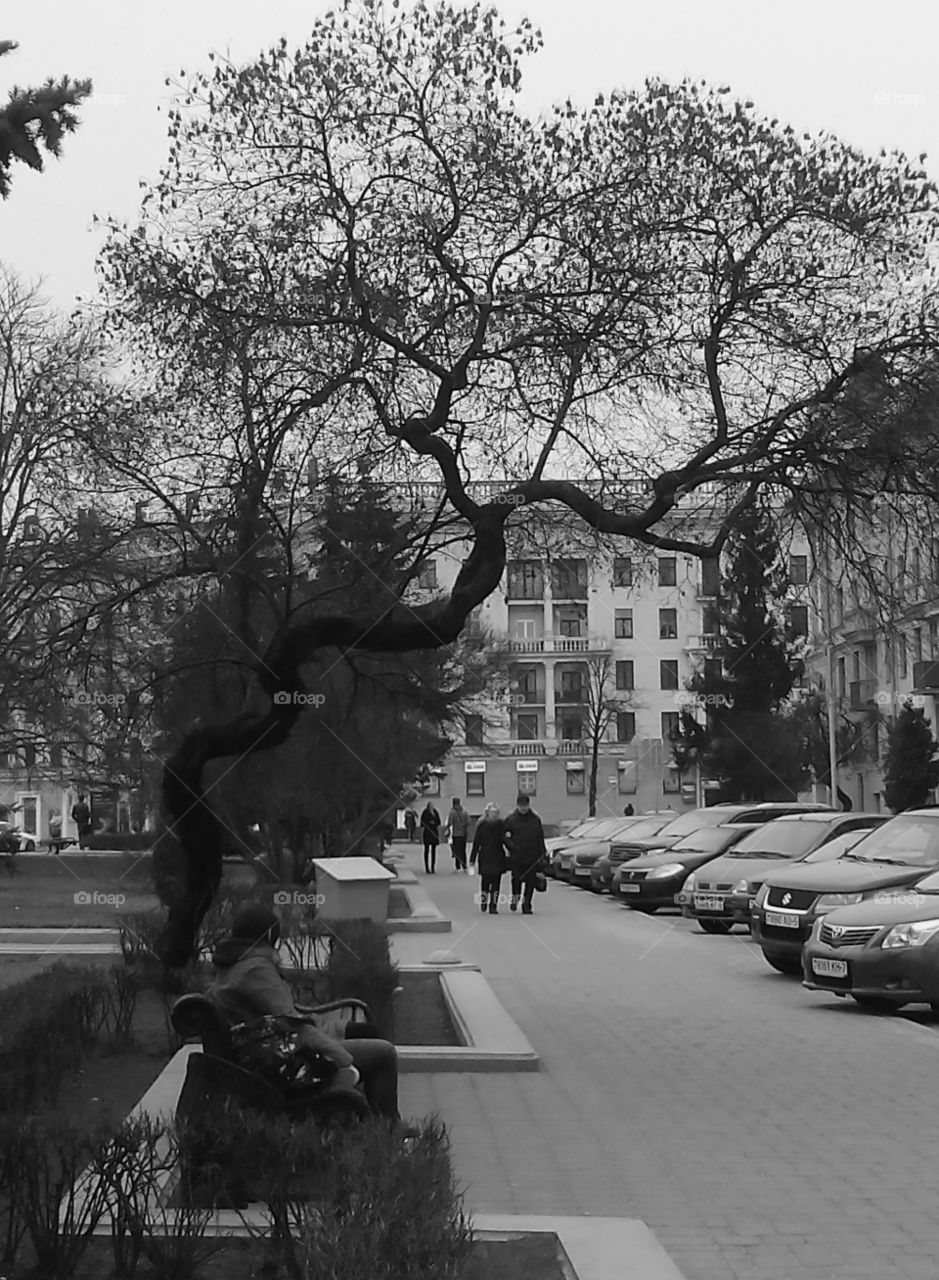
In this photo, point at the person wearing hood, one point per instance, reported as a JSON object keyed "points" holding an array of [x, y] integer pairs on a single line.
{"points": [[249, 985]]}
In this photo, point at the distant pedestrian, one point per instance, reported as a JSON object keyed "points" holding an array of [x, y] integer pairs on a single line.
{"points": [[527, 852], [457, 832], [489, 848], [81, 816], [410, 824], [628, 811], [430, 833]]}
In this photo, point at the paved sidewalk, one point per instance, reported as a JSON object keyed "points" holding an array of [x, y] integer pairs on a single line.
{"points": [[762, 1132]]}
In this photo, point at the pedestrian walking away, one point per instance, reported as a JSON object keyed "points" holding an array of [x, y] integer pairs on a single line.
{"points": [[457, 832], [81, 816], [430, 834], [628, 811], [527, 852], [410, 824], [489, 849]]}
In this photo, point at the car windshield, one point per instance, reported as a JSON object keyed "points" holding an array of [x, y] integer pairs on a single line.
{"points": [[908, 840], [694, 821], [782, 839], [585, 828], [645, 828], [838, 847], [706, 840]]}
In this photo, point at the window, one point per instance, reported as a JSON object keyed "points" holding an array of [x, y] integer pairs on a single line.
{"points": [[668, 674], [526, 580], [571, 625], [668, 624], [711, 620], [528, 783], [625, 675], [575, 781], [473, 725], [572, 685], [432, 786], [933, 638], [524, 629], [710, 578], [475, 784], [526, 726], [671, 782], [842, 678], [839, 605], [622, 571], [669, 725], [526, 683], [902, 642], [623, 624], [625, 726], [572, 726], [917, 644], [713, 669], [798, 570], [29, 755], [799, 620], [569, 579], [427, 575], [668, 571]]}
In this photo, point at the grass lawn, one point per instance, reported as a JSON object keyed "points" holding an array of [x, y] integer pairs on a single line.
{"points": [[75, 891]]}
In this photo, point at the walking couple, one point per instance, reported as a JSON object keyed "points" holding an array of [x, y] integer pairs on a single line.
{"points": [[515, 844]]}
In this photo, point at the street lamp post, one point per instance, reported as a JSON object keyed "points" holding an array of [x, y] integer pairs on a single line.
{"points": [[830, 678]]}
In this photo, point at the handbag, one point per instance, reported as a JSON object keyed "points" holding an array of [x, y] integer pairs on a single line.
{"points": [[541, 882], [270, 1047]]}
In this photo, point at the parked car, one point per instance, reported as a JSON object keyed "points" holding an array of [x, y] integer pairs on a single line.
{"points": [[713, 816], [583, 829], [884, 951], [782, 917], [577, 862], [651, 882], [719, 896]]}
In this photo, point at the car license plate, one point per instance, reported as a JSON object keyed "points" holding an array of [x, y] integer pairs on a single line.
{"points": [[830, 968], [626, 887], [708, 902], [783, 919]]}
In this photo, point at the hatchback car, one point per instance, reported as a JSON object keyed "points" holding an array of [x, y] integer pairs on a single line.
{"points": [[783, 913], [597, 835], [601, 871], [651, 882], [721, 894]]}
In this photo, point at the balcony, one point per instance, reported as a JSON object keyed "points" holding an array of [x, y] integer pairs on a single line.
{"points": [[561, 645], [571, 644], [572, 747], [527, 747], [705, 644], [527, 646], [862, 695]]}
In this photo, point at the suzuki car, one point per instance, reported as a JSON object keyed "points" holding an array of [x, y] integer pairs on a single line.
{"points": [[783, 914], [651, 882]]}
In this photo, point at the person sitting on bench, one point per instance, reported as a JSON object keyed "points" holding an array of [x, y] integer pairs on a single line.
{"points": [[250, 985]]}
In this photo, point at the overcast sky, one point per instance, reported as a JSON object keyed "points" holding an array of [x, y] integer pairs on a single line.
{"points": [[860, 68]]}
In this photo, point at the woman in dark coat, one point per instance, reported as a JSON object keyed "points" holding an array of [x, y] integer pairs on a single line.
{"points": [[430, 833], [488, 847]]}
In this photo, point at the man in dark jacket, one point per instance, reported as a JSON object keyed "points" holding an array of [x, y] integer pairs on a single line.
{"points": [[250, 985], [527, 852]]}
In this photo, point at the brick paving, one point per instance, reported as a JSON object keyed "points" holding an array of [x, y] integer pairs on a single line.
{"points": [[761, 1131]]}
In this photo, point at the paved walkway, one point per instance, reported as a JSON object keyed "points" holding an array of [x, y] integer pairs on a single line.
{"points": [[761, 1131]]}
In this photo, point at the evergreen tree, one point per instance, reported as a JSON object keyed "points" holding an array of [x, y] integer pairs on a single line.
{"points": [[34, 120], [748, 740], [910, 772]]}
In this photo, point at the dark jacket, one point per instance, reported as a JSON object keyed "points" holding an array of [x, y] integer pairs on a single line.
{"points": [[488, 846], [524, 841], [250, 985], [430, 824]]}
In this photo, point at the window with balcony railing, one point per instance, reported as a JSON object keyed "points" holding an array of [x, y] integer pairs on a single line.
{"points": [[525, 580], [571, 727], [571, 686], [571, 625], [526, 727], [526, 684]]}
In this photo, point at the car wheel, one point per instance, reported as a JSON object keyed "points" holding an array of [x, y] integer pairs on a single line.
{"points": [[783, 963], [878, 1004], [715, 926], [29, 846]]}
